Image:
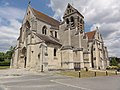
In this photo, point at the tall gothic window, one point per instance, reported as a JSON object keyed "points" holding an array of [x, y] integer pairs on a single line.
{"points": [[67, 21], [44, 30], [25, 31], [72, 21], [55, 52], [55, 34], [27, 25], [81, 21]]}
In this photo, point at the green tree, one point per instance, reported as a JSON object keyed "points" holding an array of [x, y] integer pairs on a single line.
{"points": [[6, 57], [2, 56], [114, 62], [8, 54]]}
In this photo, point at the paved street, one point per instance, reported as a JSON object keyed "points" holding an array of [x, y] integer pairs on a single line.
{"points": [[58, 82]]}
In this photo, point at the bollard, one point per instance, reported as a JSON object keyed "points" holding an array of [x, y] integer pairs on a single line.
{"points": [[95, 74], [106, 73], [42, 68], [86, 69], [79, 74], [115, 72]]}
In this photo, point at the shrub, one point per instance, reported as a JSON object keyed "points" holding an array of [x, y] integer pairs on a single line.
{"points": [[112, 67], [5, 63]]}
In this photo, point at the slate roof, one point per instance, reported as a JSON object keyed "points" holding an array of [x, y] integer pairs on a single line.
{"points": [[46, 18], [91, 35], [48, 39]]}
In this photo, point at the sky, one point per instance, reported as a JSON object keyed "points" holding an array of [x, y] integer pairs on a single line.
{"points": [[105, 14]]}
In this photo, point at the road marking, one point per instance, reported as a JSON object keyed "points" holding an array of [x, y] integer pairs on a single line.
{"points": [[31, 86], [70, 85], [13, 81]]}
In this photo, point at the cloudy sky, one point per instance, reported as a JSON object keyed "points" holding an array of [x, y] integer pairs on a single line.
{"points": [[102, 13]]}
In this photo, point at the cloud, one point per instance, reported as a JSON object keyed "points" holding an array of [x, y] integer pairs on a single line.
{"points": [[9, 26], [102, 13], [6, 4], [11, 12]]}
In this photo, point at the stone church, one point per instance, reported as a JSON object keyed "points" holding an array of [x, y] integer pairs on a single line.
{"points": [[47, 44]]}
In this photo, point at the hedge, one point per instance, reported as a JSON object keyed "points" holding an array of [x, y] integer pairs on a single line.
{"points": [[5, 63], [112, 67]]}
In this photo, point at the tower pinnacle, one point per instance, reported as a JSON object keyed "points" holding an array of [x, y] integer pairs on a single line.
{"points": [[29, 2]]}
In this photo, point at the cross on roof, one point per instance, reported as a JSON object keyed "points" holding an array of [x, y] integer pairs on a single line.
{"points": [[29, 2]]}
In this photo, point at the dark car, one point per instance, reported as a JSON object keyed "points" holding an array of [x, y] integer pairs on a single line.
{"points": [[118, 69]]}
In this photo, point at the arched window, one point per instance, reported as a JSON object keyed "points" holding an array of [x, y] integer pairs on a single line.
{"points": [[55, 52], [55, 34], [23, 50], [67, 21], [27, 24], [81, 21], [44, 30], [72, 20]]}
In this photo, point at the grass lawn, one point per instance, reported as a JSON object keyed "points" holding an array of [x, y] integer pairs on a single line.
{"points": [[86, 74], [4, 67]]}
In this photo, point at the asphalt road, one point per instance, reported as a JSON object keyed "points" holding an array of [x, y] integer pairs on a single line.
{"points": [[57, 82]]}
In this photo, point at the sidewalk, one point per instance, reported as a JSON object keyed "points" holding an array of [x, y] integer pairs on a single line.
{"points": [[8, 73], [111, 71]]}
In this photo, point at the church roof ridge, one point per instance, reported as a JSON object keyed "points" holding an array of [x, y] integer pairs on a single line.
{"points": [[48, 39], [46, 18], [91, 31], [91, 34], [74, 9]]}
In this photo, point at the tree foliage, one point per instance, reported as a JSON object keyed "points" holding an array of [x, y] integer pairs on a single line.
{"points": [[113, 62], [2, 56], [5, 57]]}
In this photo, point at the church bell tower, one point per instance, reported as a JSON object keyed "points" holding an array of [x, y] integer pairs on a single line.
{"points": [[74, 19]]}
